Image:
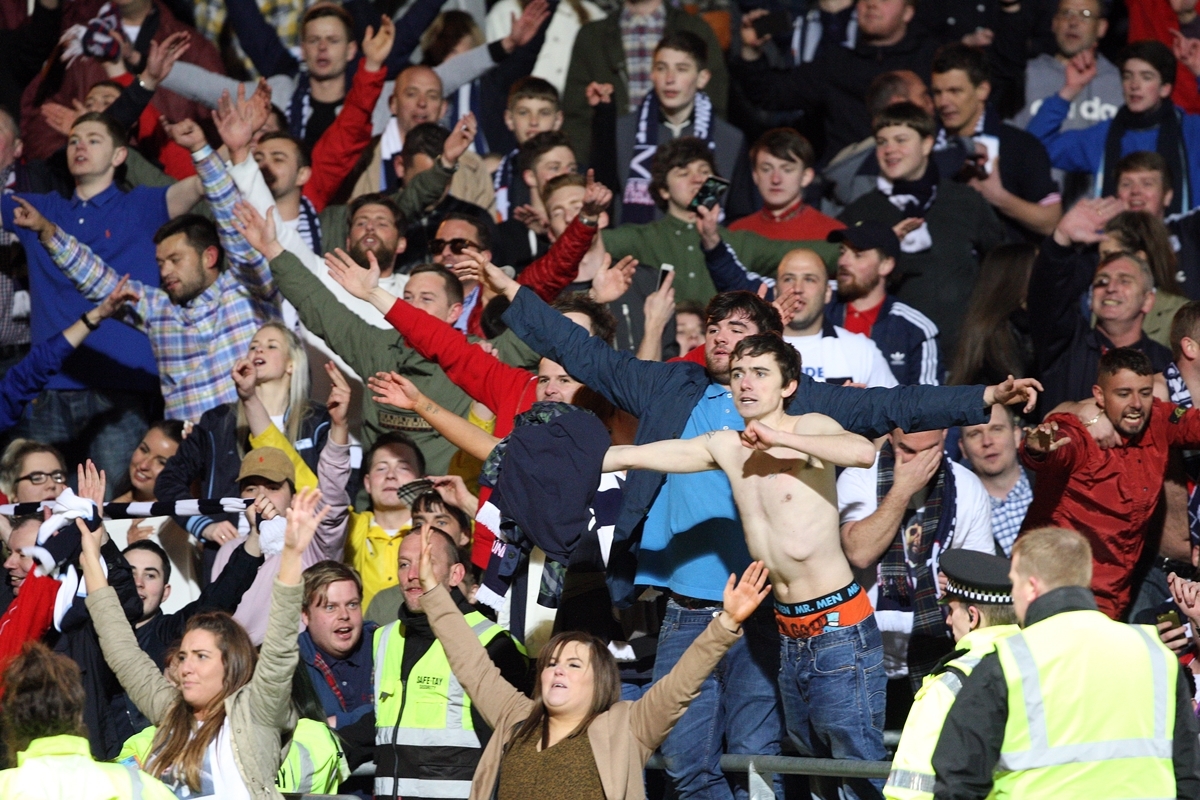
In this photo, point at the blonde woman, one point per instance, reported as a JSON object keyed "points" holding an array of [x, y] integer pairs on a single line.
{"points": [[273, 409], [221, 732]]}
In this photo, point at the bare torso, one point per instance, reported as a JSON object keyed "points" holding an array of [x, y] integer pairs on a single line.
{"points": [[788, 505]]}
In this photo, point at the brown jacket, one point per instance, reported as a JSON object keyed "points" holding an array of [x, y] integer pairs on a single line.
{"points": [[260, 712], [622, 738]]}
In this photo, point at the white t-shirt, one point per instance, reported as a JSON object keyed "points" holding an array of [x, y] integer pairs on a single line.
{"points": [[846, 357], [856, 490], [219, 776]]}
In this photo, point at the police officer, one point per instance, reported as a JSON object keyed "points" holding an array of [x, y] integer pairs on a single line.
{"points": [[1073, 705], [428, 735], [978, 601]]}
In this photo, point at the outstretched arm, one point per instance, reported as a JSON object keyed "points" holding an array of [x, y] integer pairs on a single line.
{"points": [[396, 390], [814, 435], [669, 455]]}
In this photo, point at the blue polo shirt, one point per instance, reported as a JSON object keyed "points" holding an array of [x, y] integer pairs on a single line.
{"points": [[119, 227], [693, 540]]}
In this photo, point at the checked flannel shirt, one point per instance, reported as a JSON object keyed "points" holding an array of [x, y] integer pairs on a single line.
{"points": [[195, 344]]}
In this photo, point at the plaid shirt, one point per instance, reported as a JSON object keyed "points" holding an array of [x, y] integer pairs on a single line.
{"points": [[640, 34], [197, 344], [12, 331], [1009, 513]]}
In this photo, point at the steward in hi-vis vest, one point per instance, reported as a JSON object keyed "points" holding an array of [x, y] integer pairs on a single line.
{"points": [[1075, 704], [978, 596], [428, 737]]}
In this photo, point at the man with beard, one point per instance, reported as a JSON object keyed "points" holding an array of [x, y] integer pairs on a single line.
{"points": [[907, 338], [829, 353], [202, 318], [1109, 495]]}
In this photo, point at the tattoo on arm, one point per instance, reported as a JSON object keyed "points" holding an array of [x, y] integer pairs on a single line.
{"points": [[431, 409]]}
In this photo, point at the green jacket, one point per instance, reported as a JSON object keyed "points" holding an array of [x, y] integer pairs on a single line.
{"points": [[368, 350], [413, 198], [673, 241], [260, 713], [599, 55]]}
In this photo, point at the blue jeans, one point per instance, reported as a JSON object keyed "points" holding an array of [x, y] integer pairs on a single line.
{"points": [[102, 425], [834, 695], [738, 708]]}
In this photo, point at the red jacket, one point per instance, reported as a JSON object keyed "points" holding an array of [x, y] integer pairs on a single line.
{"points": [[41, 140], [551, 273], [1154, 19], [28, 617], [1109, 495], [338, 150]]}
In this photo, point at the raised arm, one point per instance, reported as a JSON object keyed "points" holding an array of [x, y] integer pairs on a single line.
{"points": [[668, 455], [271, 686], [136, 671], [396, 390], [727, 271], [494, 697], [813, 435], [94, 279]]}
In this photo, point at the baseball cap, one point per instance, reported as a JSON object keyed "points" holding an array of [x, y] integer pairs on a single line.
{"points": [[267, 462], [868, 234]]}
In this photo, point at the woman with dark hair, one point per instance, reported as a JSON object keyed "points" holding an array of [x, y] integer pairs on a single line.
{"points": [[576, 737], [42, 718], [220, 731], [1145, 235], [994, 341]]}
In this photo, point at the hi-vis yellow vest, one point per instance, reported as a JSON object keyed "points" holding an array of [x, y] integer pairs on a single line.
{"points": [[425, 739], [912, 768], [315, 763], [1091, 710]]}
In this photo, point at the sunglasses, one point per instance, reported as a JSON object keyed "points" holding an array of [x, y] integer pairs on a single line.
{"points": [[38, 478], [436, 246]]}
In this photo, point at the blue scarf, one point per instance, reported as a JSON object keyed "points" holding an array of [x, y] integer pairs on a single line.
{"points": [[637, 205], [300, 109]]}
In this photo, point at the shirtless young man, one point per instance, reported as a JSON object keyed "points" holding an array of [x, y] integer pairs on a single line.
{"points": [[781, 469]]}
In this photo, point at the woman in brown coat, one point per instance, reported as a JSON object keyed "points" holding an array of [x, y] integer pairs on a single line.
{"points": [[576, 739]]}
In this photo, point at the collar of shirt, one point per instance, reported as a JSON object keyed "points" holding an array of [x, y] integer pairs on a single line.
{"points": [[656, 17], [789, 212], [1021, 489], [468, 305], [103, 198]]}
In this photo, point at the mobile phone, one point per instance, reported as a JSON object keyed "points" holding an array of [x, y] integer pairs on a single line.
{"points": [[663, 271], [1171, 616], [974, 167], [710, 193], [777, 25]]}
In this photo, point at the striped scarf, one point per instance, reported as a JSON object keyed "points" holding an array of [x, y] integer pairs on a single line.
{"points": [[908, 570], [1182, 397], [309, 226], [637, 203]]}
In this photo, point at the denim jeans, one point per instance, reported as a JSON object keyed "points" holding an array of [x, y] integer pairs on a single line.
{"points": [[102, 425], [738, 708], [834, 694]]}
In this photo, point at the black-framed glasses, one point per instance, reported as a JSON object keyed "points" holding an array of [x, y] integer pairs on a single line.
{"points": [[38, 478], [436, 246]]}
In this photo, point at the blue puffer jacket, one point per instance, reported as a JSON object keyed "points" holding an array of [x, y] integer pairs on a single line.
{"points": [[662, 397]]}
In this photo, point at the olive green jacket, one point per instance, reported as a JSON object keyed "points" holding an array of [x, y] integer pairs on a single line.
{"points": [[673, 241], [368, 349]]}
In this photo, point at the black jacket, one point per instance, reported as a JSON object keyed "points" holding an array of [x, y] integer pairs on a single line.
{"points": [[938, 281], [969, 747], [834, 83], [223, 594], [208, 458], [1068, 348]]}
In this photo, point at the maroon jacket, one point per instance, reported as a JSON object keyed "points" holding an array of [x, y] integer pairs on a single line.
{"points": [[41, 140]]}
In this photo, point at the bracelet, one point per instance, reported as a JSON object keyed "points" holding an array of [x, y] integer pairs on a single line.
{"points": [[590, 222], [84, 319]]}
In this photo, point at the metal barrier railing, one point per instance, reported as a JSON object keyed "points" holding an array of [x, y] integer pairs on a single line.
{"points": [[796, 765]]}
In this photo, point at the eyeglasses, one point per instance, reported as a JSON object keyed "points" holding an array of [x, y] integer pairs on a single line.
{"points": [[436, 246], [1070, 13], [38, 478]]}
